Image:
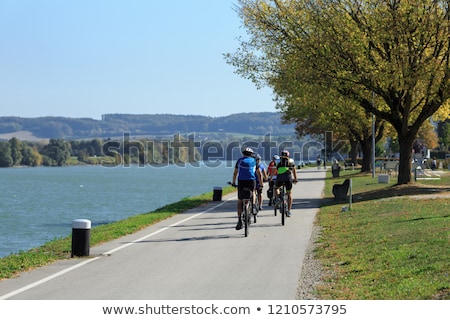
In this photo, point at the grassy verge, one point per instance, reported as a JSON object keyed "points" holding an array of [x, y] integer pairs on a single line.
{"points": [[61, 248], [390, 245]]}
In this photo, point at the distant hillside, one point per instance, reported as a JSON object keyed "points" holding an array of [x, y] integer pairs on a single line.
{"points": [[114, 125]]}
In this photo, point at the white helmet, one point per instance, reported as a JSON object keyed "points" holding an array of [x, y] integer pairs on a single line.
{"points": [[247, 151]]}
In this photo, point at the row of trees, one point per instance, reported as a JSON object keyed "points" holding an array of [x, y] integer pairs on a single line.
{"points": [[19, 153], [351, 66], [96, 151]]}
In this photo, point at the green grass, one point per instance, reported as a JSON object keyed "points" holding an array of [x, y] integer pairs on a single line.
{"points": [[386, 246], [61, 248]]}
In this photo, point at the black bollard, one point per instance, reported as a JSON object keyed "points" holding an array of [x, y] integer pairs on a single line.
{"points": [[81, 237]]}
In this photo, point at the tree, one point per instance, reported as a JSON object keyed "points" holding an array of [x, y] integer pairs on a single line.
{"points": [[58, 151], [31, 157], [16, 151], [5, 154], [317, 109], [445, 135], [427, 136], [395, 49]]}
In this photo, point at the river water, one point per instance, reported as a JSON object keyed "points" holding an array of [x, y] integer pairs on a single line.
{"points": [[39, 204]]}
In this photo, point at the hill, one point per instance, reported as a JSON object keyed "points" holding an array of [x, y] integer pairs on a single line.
{"points": [[115, 125]]}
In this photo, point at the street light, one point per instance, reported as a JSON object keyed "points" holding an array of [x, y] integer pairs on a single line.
{"points": [[373, 136]]}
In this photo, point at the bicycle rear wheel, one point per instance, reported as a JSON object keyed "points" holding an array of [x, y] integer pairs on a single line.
{"points": [[283, 210], [275, 205]]}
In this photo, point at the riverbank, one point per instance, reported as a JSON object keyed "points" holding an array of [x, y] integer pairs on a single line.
{"points": [[12, 265]]}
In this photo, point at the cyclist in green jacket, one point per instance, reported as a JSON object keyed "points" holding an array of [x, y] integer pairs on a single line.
{"points": [[286, 175]]}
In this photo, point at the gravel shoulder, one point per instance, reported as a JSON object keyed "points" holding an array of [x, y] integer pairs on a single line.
{"points": [[311, 272]]}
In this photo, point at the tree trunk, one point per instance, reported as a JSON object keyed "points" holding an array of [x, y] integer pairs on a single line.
{"points": [[353, 151], [404, 169], [366, 148]]}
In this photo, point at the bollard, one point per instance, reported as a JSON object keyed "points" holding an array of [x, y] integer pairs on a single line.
{"points": [[217, 194], [81, 237]]}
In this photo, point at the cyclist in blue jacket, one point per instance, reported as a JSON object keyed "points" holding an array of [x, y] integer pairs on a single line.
{"points": [[264, 177], [246, 174]]}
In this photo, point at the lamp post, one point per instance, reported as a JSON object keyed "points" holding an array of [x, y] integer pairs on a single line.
{"points": [[373, 136], [373, 145]]}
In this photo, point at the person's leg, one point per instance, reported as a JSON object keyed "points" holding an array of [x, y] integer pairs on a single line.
{"points": [[254, 194], [270, 192], [260, 200], [277, 186], [289, 194], [239, 212], [239, 207]]}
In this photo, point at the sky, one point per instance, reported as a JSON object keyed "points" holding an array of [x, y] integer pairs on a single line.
{"points": [[85, 58]]}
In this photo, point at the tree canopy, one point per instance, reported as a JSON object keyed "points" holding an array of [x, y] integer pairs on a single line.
{"points": [[389, 58]]}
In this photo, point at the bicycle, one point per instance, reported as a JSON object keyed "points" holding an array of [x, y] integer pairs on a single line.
{"points": [[247, 208], [281, 204]]}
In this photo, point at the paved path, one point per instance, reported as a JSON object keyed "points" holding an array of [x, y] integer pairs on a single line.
{"points": [[197, 255]]}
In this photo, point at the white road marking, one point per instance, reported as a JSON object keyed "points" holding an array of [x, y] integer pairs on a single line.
{"points": [[85, 262]]}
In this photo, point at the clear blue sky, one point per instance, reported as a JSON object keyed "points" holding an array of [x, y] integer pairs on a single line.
{"points": [[84, 58]]}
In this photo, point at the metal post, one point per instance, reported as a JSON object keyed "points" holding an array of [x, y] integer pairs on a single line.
{"points": [[373, 136], [350, 196]]}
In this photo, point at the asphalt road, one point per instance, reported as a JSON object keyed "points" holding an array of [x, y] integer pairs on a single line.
{"points": [[197, 255]]}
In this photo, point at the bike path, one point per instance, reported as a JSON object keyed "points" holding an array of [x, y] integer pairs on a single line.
{"points": [[196, 255]]}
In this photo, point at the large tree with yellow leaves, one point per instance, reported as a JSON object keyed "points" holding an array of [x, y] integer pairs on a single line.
{"points": [[397, 50]]}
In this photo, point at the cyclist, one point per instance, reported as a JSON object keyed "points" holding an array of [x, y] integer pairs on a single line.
{"points": [[318, 161], [264, 177], [246, 174], [285, 171], [272, 173]]}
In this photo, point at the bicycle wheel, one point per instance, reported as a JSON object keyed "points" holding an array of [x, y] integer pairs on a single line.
{"points": [[275, 199], [283, 210]]}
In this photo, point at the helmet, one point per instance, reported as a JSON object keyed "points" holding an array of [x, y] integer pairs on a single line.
{"points": [[276, 157], [285, 153], [247, 151], [257, 157]]}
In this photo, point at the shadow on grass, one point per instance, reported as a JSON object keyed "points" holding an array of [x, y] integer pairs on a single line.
{"points": [[400, 191], [412, 189]]}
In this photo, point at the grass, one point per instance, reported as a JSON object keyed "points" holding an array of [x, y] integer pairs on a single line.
{"points": [[389, 245], [61, 248]]}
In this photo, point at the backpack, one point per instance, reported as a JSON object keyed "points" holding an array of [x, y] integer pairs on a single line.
{"points": [[284, 162]]}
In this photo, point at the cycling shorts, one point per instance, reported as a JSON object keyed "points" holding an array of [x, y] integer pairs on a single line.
{"points": [[287, 184], [243, 186]]}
